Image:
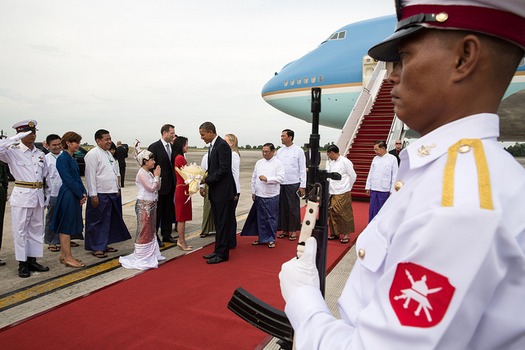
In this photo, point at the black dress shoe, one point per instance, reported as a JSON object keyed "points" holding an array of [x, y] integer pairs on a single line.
{"points": [[161, 244], [209, 256], [216, 260], [34, 266], [2, 263], [23, 269], [169, 240]]}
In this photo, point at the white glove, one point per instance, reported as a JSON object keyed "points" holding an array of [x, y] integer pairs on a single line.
{"points": [[11, 140], [300, 272], [21, 135]]}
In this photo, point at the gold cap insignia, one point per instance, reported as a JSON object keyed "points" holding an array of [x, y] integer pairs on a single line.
{"points": [[441, 17]]}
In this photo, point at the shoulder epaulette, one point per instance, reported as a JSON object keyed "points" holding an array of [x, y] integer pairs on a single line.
{"points": [[484, 188]]}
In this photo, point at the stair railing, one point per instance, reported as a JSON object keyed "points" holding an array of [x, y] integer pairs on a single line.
{"points": [[396, 132], [361, 108]]}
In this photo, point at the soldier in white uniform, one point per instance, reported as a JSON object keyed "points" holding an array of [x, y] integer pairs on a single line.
{"points": [[28, 166], [442, 266]]}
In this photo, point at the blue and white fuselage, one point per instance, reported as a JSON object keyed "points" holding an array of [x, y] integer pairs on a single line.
{"points": [[337, 67]]}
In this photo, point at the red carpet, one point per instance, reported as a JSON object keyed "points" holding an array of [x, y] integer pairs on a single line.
{"points": [[180, 305]]}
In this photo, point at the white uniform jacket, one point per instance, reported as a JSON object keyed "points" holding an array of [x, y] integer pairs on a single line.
{"points": [[25, 165], [442, 266]]}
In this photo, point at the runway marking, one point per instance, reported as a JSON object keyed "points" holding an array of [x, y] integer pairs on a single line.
{"points": [[54, 284]]}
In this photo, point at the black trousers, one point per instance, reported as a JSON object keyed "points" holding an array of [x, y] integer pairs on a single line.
{"points": [[224, 216], [165, 214], [3, 200], [122, 170], [289, 208]]}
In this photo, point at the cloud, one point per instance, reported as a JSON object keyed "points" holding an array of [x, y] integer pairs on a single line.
{"points": [[132, 65]]}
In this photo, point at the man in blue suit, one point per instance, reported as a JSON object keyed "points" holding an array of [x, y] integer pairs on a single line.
{"points": [[221, 190]]}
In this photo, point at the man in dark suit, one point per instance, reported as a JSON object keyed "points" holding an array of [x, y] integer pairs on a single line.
{"points": [[165, 205], [222, 191], [395, 152], [121, 153]]}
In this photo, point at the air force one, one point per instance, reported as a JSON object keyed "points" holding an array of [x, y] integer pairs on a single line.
{"points": [[341, 67]]}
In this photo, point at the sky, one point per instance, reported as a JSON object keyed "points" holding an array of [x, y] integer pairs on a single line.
{"points": [[130, 66]]}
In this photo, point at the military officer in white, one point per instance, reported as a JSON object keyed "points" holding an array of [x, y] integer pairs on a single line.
{"points": [[443, 264], [28, 166]]}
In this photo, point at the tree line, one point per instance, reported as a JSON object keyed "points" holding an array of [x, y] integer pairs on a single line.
{"points": [[517, 150]]}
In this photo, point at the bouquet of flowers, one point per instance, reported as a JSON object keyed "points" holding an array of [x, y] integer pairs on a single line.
{"points": [[192, 175]]}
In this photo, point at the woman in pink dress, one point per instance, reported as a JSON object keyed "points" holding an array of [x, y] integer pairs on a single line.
{"points": [[182, 197]]}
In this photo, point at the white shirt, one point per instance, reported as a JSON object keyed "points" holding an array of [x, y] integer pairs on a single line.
{"points": [[343, 166], [236, 170], [147, 185], [294, 162], [25, 165], [480, 252], [53, 180], [382, 174], [164, 144], [101, 173], [274, 171]]}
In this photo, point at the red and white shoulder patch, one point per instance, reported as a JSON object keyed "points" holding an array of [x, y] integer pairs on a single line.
{"points": [[419, 296]]}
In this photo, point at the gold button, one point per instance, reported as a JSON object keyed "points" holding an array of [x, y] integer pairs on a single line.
{"points": [[361, 253], [464, 149], [398, 185], [441, 17]]}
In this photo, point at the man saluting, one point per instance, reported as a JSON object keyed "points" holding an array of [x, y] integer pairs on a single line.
{"points": [[28, 166]]}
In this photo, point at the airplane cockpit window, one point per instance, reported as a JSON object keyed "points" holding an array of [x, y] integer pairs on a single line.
{"points": [[337, 36]]}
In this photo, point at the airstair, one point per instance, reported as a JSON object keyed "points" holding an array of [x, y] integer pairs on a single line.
{"points": [[372, 119]]}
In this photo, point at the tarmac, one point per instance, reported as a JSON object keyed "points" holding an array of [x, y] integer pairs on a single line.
{"points": [[22, 298]]}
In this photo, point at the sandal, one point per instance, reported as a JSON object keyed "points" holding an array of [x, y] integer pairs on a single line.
{"points": [[255, 243], [292, 238], [99, 254], [74, 244], [282, 235], [111, 250], [271, 245], [344, 240], [54, 248], [332, 237]]}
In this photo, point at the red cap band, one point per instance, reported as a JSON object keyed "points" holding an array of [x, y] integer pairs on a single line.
{"points": [[501, 24]]}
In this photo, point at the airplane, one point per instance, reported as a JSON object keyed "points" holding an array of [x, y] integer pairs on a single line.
{"points": [[341, 67]]}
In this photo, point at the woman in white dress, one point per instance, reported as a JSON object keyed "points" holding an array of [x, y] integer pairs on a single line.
{"points": [[147, 253], [236, 170]]}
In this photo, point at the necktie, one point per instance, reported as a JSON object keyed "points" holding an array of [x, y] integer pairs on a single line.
{"points": [[168, 149], [209, 153]]}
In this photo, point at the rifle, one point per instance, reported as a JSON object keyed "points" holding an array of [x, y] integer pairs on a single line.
{"points": [[250, 308]]}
